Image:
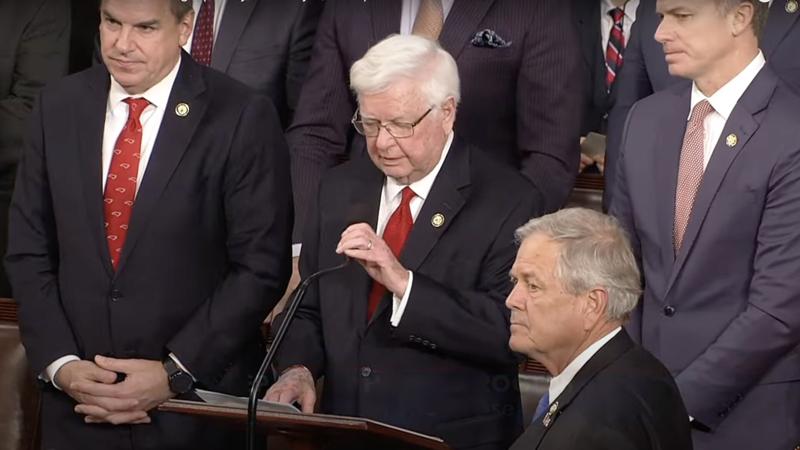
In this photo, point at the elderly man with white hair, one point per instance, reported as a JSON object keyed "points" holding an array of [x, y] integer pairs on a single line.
{"points": [[575, 283], [414, 332]]}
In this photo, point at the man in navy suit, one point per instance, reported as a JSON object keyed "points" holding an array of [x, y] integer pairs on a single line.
{"points": [[645, 70], [150, 232], [413, 332], [709, 190]]}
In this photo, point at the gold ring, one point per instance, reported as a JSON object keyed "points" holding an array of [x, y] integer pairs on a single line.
{"points": [[369, 245]]}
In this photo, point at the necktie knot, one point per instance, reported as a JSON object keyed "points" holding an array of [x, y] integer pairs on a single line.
{"points": [[408, 194], [135, 107], [617, 14], [700, 112]]}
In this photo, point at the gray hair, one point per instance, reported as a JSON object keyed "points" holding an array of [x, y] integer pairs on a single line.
{"points": [[594, 252], [407, 57]]}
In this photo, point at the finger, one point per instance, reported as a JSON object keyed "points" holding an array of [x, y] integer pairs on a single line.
{"points": [[272, 395], [287, 396], [110, 403], [98, 389], [308, 400], [118, 365], [95, 412], [126, 417], [358, 227], [360, 242], [98, 374]]}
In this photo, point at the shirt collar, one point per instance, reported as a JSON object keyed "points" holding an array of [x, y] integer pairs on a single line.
{"points": [[157, 95], [422, 186], [724, 100], [628, 7], [562, 380]]}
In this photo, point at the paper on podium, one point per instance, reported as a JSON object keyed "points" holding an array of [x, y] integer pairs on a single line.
{"points": [[220, 399]]}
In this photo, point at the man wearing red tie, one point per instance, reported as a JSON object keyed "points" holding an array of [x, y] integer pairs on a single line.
{"points": [[149, 234], [413, 332]]}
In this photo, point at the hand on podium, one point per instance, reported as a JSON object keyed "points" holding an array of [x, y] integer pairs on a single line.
{"points": [[295, 384]]}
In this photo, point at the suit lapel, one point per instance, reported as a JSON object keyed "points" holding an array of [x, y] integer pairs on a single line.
{"points": [[234, 20], [778, 25], [171, 143], [607, 355], [665, 169], [743, 124], [385, 18], [90, 134], [462, 23], [445, 199]]}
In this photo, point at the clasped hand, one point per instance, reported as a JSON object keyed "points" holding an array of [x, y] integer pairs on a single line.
{"points": [[360, 242]]}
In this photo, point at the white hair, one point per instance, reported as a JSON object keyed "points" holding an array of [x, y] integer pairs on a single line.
{"points": [[594, 251], [407, 57]]}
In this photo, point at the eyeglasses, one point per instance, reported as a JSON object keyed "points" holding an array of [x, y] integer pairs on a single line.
{"points": [[398, 130]]}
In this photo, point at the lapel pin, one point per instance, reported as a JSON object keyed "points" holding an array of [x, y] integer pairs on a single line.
{"points": [[731, 140], [792, 6], [548, 418], [437, 220], [182, 110]]}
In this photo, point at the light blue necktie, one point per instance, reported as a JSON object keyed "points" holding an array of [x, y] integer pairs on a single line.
{"points": [[544, 402]]}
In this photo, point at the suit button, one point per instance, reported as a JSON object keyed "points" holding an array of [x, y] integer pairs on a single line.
{"points": [[669, 311], [426, 343], [433, 346], [116, 295], [366, 372]]}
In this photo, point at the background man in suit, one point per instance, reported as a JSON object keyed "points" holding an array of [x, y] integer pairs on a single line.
{"points": [[604, 27], [645, 70], [265, 44], [519, 64], [709, 190], [33, 51], [125, 305], [575, 282], [403, 335]]}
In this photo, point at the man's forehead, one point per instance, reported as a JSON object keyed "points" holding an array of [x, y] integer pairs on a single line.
{"points": [[663, 6]]}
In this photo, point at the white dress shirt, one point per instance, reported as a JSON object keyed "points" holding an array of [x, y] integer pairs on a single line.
{"points": [[562, 380], [219, 9], [116, 116], [409, 14], [391, 196], [607, 22], [723, 101]]}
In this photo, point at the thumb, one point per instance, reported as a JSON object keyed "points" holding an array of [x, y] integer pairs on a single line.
{"points": [[101, 375], [115, 365]]}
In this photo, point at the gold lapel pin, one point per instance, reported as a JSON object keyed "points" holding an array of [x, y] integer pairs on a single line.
{"points": [[791, 6], [437, 220], [182, 110], [548, 418], [731, 140]]}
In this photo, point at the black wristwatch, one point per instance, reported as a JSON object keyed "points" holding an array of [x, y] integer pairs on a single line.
{"points": [[180, 382]]}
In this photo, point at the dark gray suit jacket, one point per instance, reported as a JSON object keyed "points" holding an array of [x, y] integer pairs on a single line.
{"points": [[645, 70], [724, 313], [266, 44], [446, 370], [518, 102], [621, 399]]}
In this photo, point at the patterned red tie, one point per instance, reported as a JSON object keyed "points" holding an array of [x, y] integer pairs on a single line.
{"points": [[690, 169], [203, 36], [615, 47], [121, 183], [395, 234]]}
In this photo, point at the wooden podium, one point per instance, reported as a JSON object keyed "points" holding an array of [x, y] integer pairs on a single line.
{"points": [[314, 431]]}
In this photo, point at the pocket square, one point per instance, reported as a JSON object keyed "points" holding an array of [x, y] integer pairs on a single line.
{"points": [[489, 39]]}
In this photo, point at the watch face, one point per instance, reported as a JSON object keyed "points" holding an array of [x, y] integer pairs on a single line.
{"points": [[180, 382]]}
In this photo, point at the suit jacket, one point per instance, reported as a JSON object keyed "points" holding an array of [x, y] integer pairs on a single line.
{"points": [[446, 370], [621, 399], [517, 102], [33, 51], [645, 70], [722, 314], [206, 257], [597, 100], [266, 44]]}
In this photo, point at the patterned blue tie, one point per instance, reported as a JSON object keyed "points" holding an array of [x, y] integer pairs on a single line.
{"points": [[544, 402]]}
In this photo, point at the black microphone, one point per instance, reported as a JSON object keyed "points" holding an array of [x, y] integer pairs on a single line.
{"points": [[297, 297]]}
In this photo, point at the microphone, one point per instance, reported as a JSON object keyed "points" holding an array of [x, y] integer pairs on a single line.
{"points": [[297, 297]]}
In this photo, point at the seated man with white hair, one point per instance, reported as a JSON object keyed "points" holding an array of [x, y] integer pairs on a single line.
{"points": [[575, 282], [413, 332]]}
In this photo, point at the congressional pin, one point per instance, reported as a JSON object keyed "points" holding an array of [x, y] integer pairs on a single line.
{"points": [[182, 110], [437, 220], [731, 140], [548, 418], [792, 6]]}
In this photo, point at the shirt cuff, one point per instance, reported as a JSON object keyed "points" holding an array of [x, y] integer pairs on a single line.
{"points": [[49, 374], [296, 250], [399, 303], [183, 368]]}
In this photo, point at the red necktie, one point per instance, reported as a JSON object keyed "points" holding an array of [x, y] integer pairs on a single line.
{"points": [[121, 183], [203, 36], [615, 47], [395, 234]]}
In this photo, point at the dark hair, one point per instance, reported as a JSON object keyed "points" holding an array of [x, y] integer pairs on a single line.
{"points": [[180, 8], [760, 12]]}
